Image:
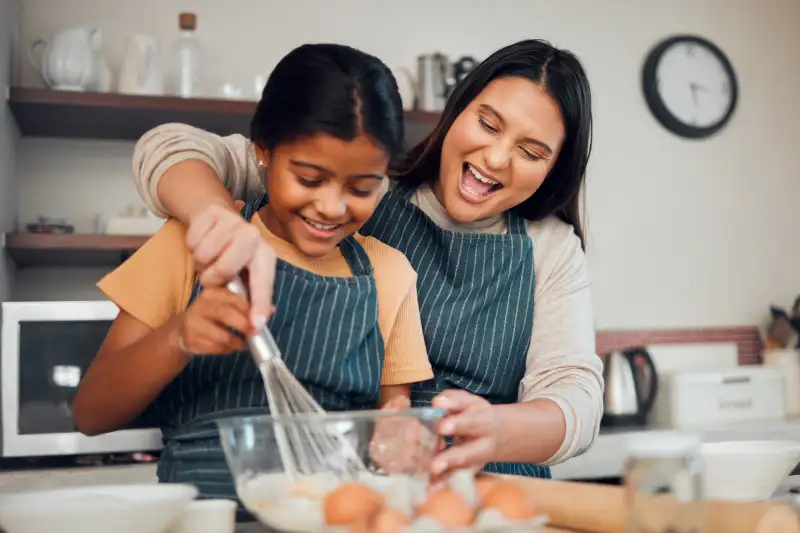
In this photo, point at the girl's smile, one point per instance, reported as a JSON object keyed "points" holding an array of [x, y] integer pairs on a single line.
{"points": [[321, 189]]}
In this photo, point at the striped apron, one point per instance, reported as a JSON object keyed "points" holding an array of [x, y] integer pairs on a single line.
{"points": [[476, 303], [327, 329]]}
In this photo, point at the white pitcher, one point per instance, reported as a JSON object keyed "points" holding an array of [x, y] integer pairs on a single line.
{"points": [[140, 72], [68, 62]]}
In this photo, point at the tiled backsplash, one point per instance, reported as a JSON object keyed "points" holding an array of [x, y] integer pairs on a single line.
{"points": [[747, 339]]}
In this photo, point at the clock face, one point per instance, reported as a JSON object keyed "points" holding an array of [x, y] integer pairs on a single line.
{"points": [[690, 86], [694, 84]]}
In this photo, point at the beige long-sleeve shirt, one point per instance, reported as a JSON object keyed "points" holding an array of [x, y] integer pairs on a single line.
{"points": [[561, 363]]}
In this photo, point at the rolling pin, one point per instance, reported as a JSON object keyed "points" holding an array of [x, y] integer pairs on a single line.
{"points": [[595, 508]]}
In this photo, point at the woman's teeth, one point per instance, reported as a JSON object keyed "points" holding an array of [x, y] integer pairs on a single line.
{"points": [[480, 177], [478, 185]]}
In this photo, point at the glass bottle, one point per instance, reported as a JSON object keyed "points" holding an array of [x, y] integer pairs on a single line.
{"points": [[186, 53], [663, 484]]}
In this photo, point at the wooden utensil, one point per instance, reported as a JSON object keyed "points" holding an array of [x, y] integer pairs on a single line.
{"points": [[595, 508]]}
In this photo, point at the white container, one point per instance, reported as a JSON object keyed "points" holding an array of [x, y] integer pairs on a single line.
{"points": [[207, 516], [140, 72], [68, 62], [787, 363], [664, 464], [149, 508], [695, 400], [746, 470]]}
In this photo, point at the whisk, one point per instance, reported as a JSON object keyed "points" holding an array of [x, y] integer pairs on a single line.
{"points": [[306, 447]]}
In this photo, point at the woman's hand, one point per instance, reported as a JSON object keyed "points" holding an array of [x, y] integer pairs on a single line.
{"points": [[475, 428], [223, 244], [205, 327]]}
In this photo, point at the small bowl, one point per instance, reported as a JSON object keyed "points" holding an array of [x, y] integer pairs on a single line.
{"points": [[746, 470], [146, 508], [207, 516]]}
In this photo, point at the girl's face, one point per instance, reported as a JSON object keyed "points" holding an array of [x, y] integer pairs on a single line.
{"points": [[322, 189], [499, 149]]}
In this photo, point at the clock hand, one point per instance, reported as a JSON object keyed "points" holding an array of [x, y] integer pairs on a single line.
{"points": [[693, 88]]}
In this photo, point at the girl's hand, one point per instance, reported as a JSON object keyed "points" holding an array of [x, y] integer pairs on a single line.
{"points": [[223, 244], [205, 327], [401, 445], [475, 428]]}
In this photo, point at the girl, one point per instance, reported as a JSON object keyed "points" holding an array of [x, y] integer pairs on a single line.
{"points": [[487, 212], [347, 320]]}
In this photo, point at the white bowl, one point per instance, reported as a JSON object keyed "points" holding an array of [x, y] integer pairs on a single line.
{"points": [[207, 516], [149, 508], [746, 470]]}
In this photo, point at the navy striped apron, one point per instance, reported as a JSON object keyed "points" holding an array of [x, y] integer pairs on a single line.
{"points": [[327, 329], [476, 303]]}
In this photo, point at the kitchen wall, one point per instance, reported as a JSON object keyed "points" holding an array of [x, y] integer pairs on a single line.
{"points": [[9, 136], [680, 233]]}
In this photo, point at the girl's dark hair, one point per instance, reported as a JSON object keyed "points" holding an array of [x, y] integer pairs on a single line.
{"points": [[560, 73], [332, 89]]}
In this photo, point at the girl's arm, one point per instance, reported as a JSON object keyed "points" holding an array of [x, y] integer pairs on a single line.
{"points": [[136, 362], [391, 394], [132, 367]]}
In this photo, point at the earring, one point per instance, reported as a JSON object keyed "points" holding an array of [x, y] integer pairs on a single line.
{"points": [[261, 164]]}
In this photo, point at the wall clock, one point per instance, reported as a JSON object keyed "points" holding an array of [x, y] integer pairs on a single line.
{"points": [[690, 86]]}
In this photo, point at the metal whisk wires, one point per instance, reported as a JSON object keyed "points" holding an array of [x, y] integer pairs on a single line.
{"points": [[306, 446]]}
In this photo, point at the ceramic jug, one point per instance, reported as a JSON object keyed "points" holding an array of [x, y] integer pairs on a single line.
{"points": [[68, 61], [141, 67]]}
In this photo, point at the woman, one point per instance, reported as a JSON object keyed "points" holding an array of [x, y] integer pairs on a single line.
{"points": [[487, 211]]}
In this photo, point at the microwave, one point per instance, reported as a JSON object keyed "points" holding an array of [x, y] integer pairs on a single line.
{"points": [[46, 349]]}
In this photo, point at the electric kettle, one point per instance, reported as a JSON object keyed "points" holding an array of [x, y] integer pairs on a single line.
{"points": [[631, 385]]}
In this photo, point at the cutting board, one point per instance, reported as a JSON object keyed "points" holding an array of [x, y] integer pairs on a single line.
{"points": [[595, 508]]}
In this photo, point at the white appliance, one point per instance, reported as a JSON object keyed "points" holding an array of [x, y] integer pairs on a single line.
{"points": [[694, 356], [46, 349], [697, 399]]}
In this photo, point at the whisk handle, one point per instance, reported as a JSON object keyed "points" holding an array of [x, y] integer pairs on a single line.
{"points": [[262, 344], [236, 286]]}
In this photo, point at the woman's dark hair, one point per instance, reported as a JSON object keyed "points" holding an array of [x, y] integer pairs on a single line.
{"points": [[560, 73], [332, 89]]}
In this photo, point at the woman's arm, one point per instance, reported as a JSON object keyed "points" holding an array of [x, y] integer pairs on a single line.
{"points": [[192, 175], [562, 389], [561, 404], [221, 168]]}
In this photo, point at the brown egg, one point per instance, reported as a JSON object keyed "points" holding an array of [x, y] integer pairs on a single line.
{"points": [[483, 485], [350, 503], [389, 520], [449, 508], [510, 500]]}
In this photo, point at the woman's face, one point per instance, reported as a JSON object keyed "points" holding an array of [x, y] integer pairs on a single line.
{"points": [[322, 189], [499, 149]]}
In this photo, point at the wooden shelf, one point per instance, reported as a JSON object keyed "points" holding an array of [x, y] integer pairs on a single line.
{"points": [[47, 113], [84, 115], [49, 249]]}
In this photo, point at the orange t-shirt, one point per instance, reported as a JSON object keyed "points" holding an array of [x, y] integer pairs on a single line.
{"points": [[156, 282]]}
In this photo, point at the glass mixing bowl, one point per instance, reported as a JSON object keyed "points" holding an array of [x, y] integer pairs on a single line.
{"points": [[395, 447]]}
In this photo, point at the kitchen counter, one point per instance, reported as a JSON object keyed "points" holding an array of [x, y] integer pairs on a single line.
{"points": [[50, 478], [606, 457], [255, 527]]}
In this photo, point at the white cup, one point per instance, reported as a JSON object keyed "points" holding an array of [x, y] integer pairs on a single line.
{"points": [[207, 516]]}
